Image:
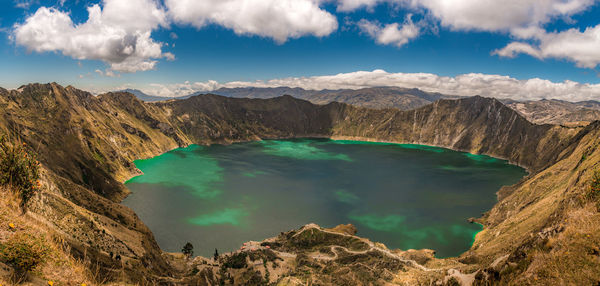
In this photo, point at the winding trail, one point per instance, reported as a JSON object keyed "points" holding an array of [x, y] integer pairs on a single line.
{"points": [[372, 247], [448, 271]]}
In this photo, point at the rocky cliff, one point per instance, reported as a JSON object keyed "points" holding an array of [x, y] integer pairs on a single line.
{"points": [[87, 144], [557, 111]]}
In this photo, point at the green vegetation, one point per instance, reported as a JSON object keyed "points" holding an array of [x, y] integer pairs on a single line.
{"points": [[188, 250], [314, 239], [236, 261], [19, 169], [23, 252]]}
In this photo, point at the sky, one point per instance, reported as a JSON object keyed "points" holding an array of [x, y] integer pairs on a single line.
{"points": [[520, 49]]}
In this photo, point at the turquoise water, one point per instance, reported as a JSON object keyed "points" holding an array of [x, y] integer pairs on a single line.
{"points": [[405, 196]]}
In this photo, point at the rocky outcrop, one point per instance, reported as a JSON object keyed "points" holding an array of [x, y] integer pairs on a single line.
{"points": [[557, 111], [87, 145], [478, 125], [324, 256]]}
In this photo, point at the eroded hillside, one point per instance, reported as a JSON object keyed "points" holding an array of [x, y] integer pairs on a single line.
{"points": [[557, 111], [87, 145]]}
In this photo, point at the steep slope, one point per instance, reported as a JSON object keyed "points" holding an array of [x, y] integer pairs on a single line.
{"points": [[476, 124], [85, 153], [547, 231], [86, 145]]}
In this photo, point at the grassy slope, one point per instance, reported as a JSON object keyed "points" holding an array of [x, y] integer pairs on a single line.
{"points": [[87, 144], [59, 265], [547, 228]]}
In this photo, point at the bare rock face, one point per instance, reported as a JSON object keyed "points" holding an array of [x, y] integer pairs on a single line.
{"points": [[87, 145], [345, 229], [558, 111]]}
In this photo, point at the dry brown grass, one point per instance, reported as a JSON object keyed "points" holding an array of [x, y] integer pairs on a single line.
{"points": [[58, 266], [572, 257]]}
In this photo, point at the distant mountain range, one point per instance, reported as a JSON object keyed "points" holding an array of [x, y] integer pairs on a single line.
{"points": [[149, 98], [375, 97], [540, 112]]}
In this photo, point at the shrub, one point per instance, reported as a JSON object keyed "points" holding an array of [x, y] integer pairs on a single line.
{"points": [[23, 252], [188, 250], [19, 169], [236, 261]]}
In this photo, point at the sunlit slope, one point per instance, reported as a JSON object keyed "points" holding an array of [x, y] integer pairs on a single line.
{"points": [[87, 145]]}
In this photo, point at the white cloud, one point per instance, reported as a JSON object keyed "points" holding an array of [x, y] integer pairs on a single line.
{"points": [[24, 4], [390, 34], [583, 48], [276, 19], [464, 85], [522, 19], [110, 34], [351, 5], [514, 48], [505, 16], [514, 16], [179, 89]]}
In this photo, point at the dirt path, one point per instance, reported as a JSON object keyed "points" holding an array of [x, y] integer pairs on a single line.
{"points": [[464, 279], [371, 245]]}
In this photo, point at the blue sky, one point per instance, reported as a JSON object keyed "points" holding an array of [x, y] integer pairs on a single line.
{"points": [[209, 45]]}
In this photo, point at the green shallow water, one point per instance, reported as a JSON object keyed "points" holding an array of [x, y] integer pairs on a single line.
{"points": [[405, 196]]}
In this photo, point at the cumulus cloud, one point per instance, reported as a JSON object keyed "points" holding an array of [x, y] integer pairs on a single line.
{"points": [[179, 89], [498, 86], [514, 16], [583, 48], [109, 34], [522, 19], [276, 19], [508, 15], [390, 34]]}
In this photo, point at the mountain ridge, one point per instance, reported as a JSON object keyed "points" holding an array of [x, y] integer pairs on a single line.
{"points": [[104, 134], [542, 111]]}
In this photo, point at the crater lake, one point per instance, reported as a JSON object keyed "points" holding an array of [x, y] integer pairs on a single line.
{"points": [[405, 196]]}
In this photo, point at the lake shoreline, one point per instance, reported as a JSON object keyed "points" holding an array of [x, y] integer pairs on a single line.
{"points": [[323, 140]]}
